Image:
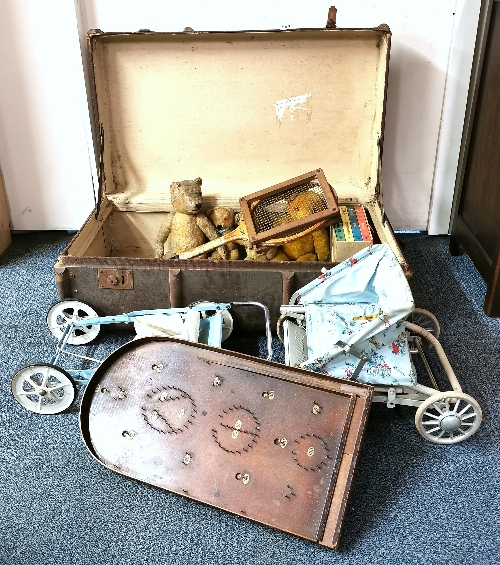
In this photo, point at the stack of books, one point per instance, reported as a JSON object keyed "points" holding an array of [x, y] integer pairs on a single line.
{"points": [[351, 234]]}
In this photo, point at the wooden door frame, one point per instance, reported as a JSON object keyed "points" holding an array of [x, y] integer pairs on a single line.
{"points": [[475, 79]]}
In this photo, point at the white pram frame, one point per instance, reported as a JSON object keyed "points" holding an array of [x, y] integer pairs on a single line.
{"points": [[442, 417]]}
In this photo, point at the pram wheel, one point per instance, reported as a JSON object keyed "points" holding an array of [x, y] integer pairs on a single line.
{"points": [[426, 320], [227, 319], [66, 311], [44, 389], [448, 417]]}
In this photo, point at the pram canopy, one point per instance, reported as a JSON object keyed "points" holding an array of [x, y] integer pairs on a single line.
{"points": [[356, 310]]}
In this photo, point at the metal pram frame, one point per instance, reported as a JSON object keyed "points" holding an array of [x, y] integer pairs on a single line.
{"points": [[47, 388]]}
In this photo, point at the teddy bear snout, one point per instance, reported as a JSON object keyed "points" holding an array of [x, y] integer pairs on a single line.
{"points": [[198, 206]]}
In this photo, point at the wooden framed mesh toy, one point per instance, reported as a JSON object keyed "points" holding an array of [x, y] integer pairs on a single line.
{"points": [[290, 207]]}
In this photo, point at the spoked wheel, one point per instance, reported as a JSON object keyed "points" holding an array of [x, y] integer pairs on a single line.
{"points": [[66, 311], [448, 417], [44, 389], [426, 320], [227, 319]]}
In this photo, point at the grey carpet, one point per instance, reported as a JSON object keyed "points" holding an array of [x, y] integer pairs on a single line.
{"points": [[412, 502]]}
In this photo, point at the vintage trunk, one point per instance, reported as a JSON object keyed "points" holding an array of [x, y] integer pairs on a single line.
{"points": [[243, 111]]}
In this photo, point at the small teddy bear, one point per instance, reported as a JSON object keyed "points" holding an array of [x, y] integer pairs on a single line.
{"points": [[223, 219], [187, 226], [311, 247]]}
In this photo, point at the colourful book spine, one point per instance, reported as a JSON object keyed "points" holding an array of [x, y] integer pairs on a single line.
{"points": [[363, 224], [346, 224], [353, 221], [339, 232]]}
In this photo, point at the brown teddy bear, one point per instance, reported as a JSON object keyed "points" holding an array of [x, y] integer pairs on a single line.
{"points": [[223, 219], [187, 226], [311, 247]]}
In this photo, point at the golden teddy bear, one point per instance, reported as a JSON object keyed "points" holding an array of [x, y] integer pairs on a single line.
{"points": [[314, 246], [187, 226]]}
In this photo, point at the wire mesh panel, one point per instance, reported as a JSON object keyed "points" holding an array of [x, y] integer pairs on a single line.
{"points": [[294, 203], [289, 207]]}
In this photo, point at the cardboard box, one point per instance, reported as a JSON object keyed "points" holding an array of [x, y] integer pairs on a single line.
{"points": [[351, 234]]}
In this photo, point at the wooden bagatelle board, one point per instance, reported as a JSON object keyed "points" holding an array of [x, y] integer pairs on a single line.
{"points": [[243, 111], [271, 443]]}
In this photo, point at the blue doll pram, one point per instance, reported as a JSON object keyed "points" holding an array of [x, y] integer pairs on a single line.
{"points": [[47, 388], [356, 321]]}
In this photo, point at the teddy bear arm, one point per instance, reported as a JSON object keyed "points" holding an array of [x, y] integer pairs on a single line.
{"points": [[209, 230], [162, 236]]}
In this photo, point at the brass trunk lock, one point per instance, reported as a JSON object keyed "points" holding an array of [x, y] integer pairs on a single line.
{"points": [[121, 279]]}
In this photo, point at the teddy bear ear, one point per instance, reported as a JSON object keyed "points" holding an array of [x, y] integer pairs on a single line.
{"points": [[198, 181], [208, 212], [175, 185]]}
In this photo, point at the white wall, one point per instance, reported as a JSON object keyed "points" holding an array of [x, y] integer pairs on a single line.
{"points": [[43, 143], [452, 119], [43, 123]]}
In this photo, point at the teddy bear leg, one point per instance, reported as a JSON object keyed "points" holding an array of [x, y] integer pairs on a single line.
{"points": [[215, 255], [280, 256], [307, 257], [234, 252], [321, 244]]}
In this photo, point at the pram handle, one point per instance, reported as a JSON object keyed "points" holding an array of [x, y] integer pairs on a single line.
{"points": [[440, 353]]}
